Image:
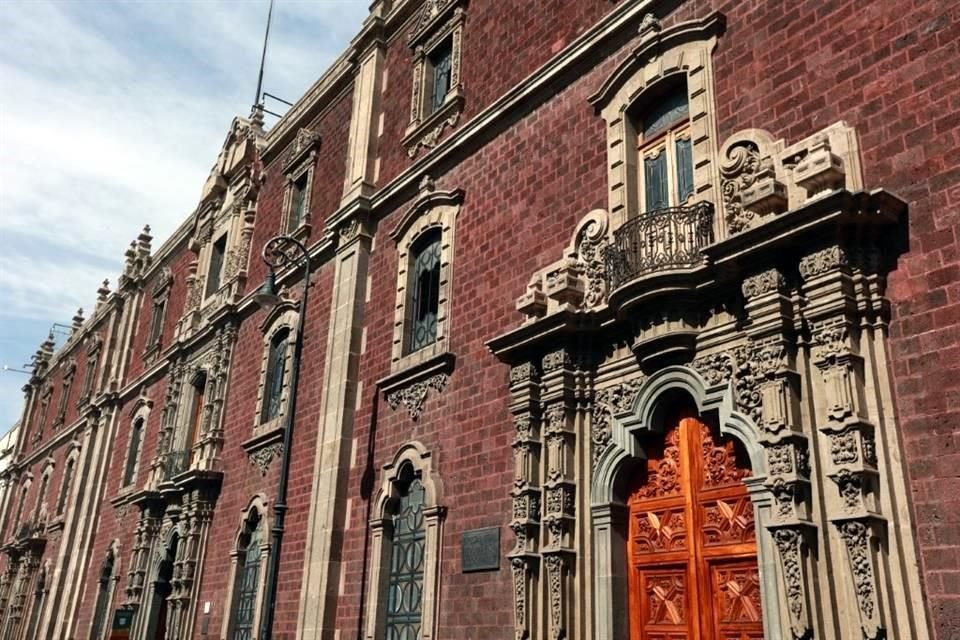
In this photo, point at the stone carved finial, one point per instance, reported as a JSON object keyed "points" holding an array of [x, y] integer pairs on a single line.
{"points": [[78, 319], [103, 291]]}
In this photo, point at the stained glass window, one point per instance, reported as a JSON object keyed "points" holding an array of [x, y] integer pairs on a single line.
{"points": [[273, 384], [441, 61], [425, 285], [405, 586], [248, 583]]}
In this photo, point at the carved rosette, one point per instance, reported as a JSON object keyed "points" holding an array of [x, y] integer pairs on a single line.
{"points": [[414, 396]]}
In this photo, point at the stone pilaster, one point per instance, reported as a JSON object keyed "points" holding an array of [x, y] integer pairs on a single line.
{"points": [[321, 577], [527, 496], [558, 466]]}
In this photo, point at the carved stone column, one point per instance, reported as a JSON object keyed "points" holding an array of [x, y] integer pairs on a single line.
{"points": [[526, 493], [768, 388], [559, 488]]}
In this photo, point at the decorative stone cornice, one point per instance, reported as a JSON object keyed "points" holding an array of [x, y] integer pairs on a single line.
{"points": [[410, 387]]}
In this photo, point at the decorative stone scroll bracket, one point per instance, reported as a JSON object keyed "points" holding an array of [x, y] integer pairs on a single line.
{"points": [[762, 178], [578, 281]]}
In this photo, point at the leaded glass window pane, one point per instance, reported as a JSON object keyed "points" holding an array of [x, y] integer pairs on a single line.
{"points": [[684, 169], [655, 181], [664, 112], [273, 385], [405, 586], [441, 61], [156, 321], [249, 581], [425, 283]]}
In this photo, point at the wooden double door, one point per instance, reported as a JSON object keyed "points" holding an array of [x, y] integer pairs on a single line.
{"points": [[692, 543]]}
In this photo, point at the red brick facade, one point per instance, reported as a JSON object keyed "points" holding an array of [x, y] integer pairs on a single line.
{"points": [[529, 172]]}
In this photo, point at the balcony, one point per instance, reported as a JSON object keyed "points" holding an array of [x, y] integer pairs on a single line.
{"points": [[661, 240]]}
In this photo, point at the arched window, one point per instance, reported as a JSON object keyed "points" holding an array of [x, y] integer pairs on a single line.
{"points": [[424, 287], [17, 521], [405, 582], [247, 582], [274, 379], [133, 452], [406, 536], [665, 148], [199, 387], [67, 485]]}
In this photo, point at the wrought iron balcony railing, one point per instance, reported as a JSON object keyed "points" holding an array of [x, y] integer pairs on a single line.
{"points": [[175, 463], [669, 238]]}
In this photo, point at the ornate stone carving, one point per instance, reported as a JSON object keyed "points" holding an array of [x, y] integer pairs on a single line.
{"points": [[609, 402], [768, 281], [261, 458], [829, 341], [739, 171], [715, 368], [523, 372], [557, 359], [519, 570], [855, 535], [555, 569], [428, 12], [822, 261], [591, 242], [789, 541], [414, 396]]}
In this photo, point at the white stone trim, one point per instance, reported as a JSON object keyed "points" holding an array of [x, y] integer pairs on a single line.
{"points": [[141, 411], [416, 455]]}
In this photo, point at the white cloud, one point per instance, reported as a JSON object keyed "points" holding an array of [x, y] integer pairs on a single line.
{"points": [[111, 115]]}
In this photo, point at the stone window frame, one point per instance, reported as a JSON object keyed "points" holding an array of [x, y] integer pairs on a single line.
{"points": [[141, 411], [420, 459], [25, 486], [435, 23], [258, 504], [108, 577], [67, 481], [161, 298], [66, 384], [284, 316], [40, 511], [664, 142], [299, 164], [94, 347], [432, 210], [46, 395], [685, 49]]}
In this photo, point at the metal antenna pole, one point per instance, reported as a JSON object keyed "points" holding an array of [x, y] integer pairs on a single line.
{"points": [[263, 56]]}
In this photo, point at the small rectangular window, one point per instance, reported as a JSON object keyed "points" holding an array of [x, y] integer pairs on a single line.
{"points": [[215, 273], [441, 64], [298, 203], [133, 452]]}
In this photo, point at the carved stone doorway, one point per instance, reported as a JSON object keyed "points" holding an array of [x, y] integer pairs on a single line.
{"points": [[692, 552], [162, 588]]}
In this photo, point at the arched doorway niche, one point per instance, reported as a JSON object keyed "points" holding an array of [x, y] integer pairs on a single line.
{"points": [[655, 405]]}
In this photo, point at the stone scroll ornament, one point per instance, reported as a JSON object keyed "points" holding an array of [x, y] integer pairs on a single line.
{"points": [[739, 171], [607, 403]]}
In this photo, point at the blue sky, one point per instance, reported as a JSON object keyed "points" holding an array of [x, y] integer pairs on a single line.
{"points": [[111, 115]]}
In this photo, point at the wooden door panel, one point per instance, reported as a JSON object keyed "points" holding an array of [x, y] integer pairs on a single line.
{"points": [[692, 541]]}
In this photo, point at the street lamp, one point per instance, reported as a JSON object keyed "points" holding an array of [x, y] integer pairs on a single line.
{"points": [[281, 252]]}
